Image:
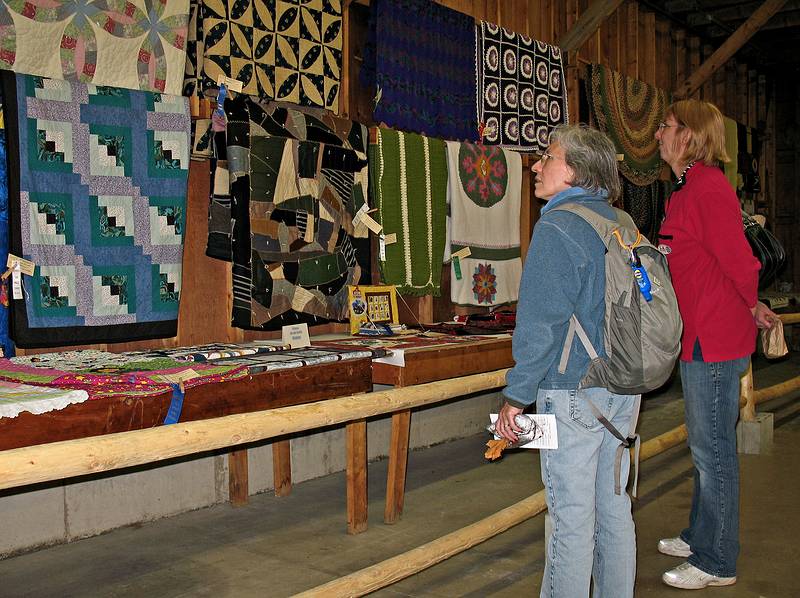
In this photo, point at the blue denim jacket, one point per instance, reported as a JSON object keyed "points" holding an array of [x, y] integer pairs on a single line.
{"points": [[564, 273]]}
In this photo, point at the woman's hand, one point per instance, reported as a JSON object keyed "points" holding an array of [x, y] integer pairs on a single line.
{"points": [[764, 316], [505, 426]]}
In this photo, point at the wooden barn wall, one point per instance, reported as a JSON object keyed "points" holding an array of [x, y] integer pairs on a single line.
{"points": [[633, 40]]}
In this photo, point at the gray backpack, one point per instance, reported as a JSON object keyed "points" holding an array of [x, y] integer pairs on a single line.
{"points": [[642, 338]]}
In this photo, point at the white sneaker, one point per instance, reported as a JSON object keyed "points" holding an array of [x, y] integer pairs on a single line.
{"points": [[674, 547], [689, 577]]}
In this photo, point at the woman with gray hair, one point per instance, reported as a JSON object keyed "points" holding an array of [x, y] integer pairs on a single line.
{"points": [[592, 529]]}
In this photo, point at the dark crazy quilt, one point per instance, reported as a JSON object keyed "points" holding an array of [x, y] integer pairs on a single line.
{"points": [[289, 50], [419, 58], [645, 204], [295, 245], [100, 175], [521, 91]]}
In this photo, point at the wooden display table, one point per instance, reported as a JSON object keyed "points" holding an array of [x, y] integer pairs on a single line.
{"points": [[428, 363], [262, 391], [422, 365]]}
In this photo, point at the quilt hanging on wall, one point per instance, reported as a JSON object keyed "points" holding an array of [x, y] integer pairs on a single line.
{"points": [[409, 183], [288, 50], [295, 242], [136, 44], [270, 119], [521, 91], [99, 179], [5, 342], [484, 191], [628, 111], [419, 57], [645, 204]]}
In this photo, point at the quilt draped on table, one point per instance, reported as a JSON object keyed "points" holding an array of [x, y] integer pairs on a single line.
{"points": [[409, 178], [295, 244], [99, 178], [485, 193], [645, 204], [136, 383], [419, 58], [521, 90], [137, 44], [290, 50], [628, 111], [16, 398]]}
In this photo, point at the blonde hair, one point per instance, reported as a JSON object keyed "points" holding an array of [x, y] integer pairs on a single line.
{"points": [[704, 120]]}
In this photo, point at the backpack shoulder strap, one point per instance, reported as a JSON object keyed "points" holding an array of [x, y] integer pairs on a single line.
{"points": [[603, 226]]}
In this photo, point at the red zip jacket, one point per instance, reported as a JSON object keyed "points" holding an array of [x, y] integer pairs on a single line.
{"points": [[714, 272]]}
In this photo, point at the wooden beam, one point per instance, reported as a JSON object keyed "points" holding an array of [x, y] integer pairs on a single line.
{"points": [[730, 47], [587, 24]]}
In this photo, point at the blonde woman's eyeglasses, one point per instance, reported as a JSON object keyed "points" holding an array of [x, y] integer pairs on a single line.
{"points": [[663, 125]]}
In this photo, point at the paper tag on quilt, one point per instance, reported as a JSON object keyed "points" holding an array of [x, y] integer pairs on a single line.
{"points": [[545, 434], [462, 253], [25, 266], [232, 84], [391, 238], [296, 336], [180, 377], [382, 248]]}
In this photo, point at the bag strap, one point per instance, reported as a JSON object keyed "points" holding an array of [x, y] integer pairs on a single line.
{"points": [[632, 439], [575, 328]]}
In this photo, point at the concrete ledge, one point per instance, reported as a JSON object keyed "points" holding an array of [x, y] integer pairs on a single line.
{"points": [[755, 438]]}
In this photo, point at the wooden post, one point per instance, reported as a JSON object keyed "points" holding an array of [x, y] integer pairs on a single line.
{"points": [[282, 467], [731, 45], [741, 92], [680, 54], [632, 41], [356, 432], [588, 24], [398, 462], [747, 413], [648, 49], [238, 484], [694, 60], [708, 85]]}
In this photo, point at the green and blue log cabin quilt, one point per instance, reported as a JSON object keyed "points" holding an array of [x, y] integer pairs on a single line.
{"points": [[98, 176]]}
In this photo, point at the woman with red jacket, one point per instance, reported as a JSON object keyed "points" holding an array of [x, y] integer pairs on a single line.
{"points": [[716, 281]]}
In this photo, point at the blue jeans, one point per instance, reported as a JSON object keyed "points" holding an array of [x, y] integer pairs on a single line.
{"points": [[711, 403], [592, 528]]}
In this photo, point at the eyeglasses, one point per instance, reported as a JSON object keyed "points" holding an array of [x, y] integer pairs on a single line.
{"points": [[663, 125], [548, 156]]}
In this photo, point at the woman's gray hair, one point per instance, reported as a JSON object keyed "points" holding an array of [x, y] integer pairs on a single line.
{"points": [[592, 157]]}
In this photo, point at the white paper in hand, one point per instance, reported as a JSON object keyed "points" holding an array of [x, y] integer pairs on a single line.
{"points": [[544, 432]]}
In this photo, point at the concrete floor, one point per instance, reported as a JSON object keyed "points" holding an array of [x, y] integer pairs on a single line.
{"points": [[280, 546]]}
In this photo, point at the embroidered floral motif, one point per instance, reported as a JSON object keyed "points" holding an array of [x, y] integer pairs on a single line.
{"points": [[483, 172], [484, 284]]}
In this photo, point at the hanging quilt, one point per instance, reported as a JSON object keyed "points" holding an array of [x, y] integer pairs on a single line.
{"points": [[628, 111], [273, 120], [420, 60], [136, 44], [485, 193], [521, 89], [731, 167], [409, 178], [289, 50], [645, 204], [98, 176], [6, 345], [295, 244]]}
